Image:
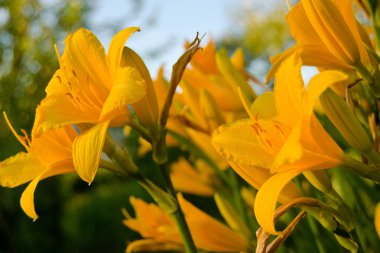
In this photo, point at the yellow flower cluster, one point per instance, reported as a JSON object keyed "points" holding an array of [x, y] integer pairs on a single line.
{"points": [[210, 109]]}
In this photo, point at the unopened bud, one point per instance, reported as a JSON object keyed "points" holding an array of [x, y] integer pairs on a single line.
{"points": [[345, 121], [319, 179]]}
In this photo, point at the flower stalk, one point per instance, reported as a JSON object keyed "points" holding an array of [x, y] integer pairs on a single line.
{"points": [[178, 214]]}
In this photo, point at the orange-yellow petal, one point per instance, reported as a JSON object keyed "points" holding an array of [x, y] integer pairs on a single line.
{"points": [[267, 197], [128, 88], [151, 245], [318, 56], [320, 83], [57, 84], [277, 61], [257, 176], [333, 30], [238, 143], [86, 55], [233, 77], [146, 109], [308, 147], [116, 47], [264, 106], [289, 90], [27, 198], [210, 234], [19, 169], [204, 60], [210, 110], [59, 110], [238, 60], [87, 149], [203, 141], [186, 179]]}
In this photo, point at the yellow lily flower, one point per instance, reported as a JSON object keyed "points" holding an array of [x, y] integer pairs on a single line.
{"points": [[328, 34], [191, 179], [220, 76], [47, 155], [91, 88], [160, 230], [282, 135]]}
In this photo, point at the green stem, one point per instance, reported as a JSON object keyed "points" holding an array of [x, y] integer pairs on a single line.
{"points": [[354, 236], [369, 172], [364, 73], [140, 129], [239, 204], [373, 156], [120, 155], [178, 214], [113, 167]]}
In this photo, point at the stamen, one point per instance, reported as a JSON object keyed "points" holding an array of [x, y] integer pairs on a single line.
{"points": [[245, 104], [58, 55], [26, 137], [18, 137]]}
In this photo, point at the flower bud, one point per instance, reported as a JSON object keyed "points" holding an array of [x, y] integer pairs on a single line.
{"points": [[319, 179], [345, 121]]}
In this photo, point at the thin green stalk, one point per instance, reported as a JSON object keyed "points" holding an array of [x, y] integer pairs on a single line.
{"points": [[120, 155], [316, 235], [373, 156], [369, 172], [140, 129], [364, 73], [113, 167], [178, 214], [238, 200]]}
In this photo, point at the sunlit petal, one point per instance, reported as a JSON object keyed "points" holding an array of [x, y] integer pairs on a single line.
{"points": [[87, 149], [27, 198], [320, 83], [127, 89], [19, 169], [116, 47], [238, 143], [146, 109], [289, 90], [267, 197], [210, 234], [87, 55], [151, 245], [59, 110], [333, 30], [257, 176]]}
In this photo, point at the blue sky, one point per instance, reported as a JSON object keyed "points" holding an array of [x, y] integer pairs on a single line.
{"points": [[173, 22], [166, 24]]}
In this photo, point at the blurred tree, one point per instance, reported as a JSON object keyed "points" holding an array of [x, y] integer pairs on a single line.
{"points": [[261, 31], [28, 31]]}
